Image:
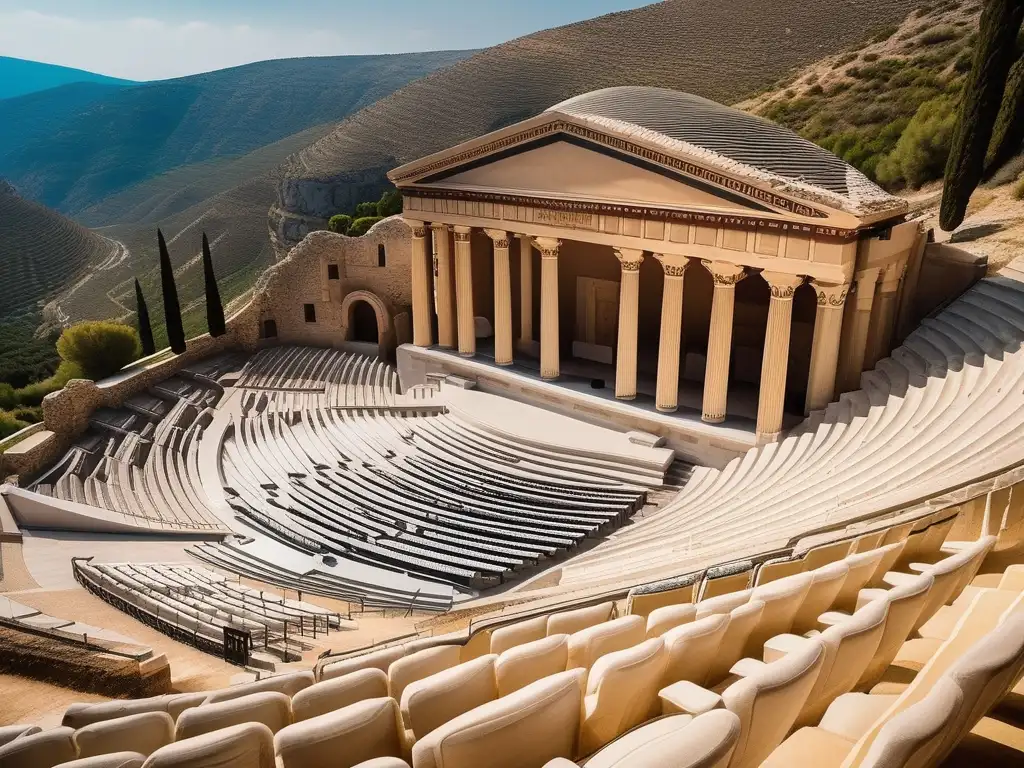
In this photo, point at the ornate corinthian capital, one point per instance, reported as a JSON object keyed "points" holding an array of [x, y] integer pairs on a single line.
{"points": [[782, 286], [499, 237], [725, 273], [462, 234], [548, 246], [673, 264], [831, 295], [629, 258]]}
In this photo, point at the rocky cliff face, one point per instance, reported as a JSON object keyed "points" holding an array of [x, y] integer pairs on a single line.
{"points": [[305, 205]]}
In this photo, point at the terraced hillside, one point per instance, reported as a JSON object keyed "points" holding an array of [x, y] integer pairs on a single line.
{"points": [[124, 136], [40, 250], [723, 51]]}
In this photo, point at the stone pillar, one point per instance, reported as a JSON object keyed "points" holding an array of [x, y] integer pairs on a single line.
{"points": [[716, 371], [502, 298], [443, 286], [667, 393], [525, 288], [549, 353], [422, 332], [629, 294], [855, 330], [884, 314], [828, 325], [464, 291], [776, 354], [905, 313]]}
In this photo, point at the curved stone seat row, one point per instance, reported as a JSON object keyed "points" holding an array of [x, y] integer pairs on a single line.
{"points": [[415, 492], [945, 407], [293, 379]]}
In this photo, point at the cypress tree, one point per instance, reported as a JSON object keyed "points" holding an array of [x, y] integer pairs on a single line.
{"points": [[214, 309], [172, 310], [1008, 133], [145, 329], [983, 94]]}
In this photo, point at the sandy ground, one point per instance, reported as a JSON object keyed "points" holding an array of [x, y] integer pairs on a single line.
{"points": [[16, 575]]}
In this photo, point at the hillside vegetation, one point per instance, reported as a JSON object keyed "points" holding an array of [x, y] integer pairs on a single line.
{"points": [[720, 50], [18, 77], [71, 158], [887, 107]]}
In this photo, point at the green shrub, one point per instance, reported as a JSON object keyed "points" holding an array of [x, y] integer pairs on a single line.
{"points": [[362, 225], [390, 203], [884, 33], [31, 415], [7, 396], [9, 424], [939, 35], [1018, 189], [366, 209], [921, 152], [340, 223], [33, 394], [99, 347]]}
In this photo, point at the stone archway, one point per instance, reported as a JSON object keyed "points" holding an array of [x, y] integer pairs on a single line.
{"points": [[354, 313]]}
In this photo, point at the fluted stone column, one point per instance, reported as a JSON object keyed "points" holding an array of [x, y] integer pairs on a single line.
{"points": [[422, 333], [502, 298], [884, 314], [629, 294], [549, 352], [666, 396], [828, 326], [525, 287], [776, 354], [716, 371], [443, 286], [855, 331], [464, 291]]}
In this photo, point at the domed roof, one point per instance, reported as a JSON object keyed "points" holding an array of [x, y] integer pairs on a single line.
{"points": [[741, 143]]}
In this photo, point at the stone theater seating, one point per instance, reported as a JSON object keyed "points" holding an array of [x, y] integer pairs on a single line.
{"points": [[860, 688]]}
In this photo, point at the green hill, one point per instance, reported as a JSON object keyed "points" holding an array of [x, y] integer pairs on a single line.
{"points": [[20, 76], [70, 156]]}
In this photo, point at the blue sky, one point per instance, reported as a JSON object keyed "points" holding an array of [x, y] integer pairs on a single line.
{"points": [[148, 40]]}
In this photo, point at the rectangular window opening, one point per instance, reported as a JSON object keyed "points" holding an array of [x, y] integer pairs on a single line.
{"points": [[382, 256], [310, 311], [332, 271]]}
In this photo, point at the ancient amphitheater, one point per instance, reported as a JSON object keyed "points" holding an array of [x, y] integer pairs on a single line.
{"points": [[587, 460]]}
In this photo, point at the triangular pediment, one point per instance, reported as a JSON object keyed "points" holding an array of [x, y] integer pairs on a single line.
{"points": [[562, 167]]}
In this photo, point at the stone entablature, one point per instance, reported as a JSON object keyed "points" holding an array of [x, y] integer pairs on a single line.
{"points": [[824, 252]]}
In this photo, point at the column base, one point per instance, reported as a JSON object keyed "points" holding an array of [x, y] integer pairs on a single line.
{"points": [[626, 397], [505, 363], [549, 376], [712, 419], [667, 408], [767, 437], [467, 354]]}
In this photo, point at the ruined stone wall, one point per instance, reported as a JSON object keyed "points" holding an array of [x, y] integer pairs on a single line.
{"points": [[305, 277]]}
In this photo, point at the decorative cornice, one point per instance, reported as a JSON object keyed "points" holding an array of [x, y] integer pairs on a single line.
{"points": [[614, 142], [726, 221]]}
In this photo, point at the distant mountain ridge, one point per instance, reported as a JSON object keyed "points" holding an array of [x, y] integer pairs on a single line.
{"points": [[21, 76], [72, 146]]}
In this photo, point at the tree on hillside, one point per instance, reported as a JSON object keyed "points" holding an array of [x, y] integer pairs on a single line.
{"points": [[983, 93], [142, 315], [214, 309], [172, 310], [390, 203], [366, 209], [99, 347], [1008, 133]]}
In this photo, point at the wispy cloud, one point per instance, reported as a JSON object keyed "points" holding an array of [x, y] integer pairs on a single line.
{"points": [[151, 49]]}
